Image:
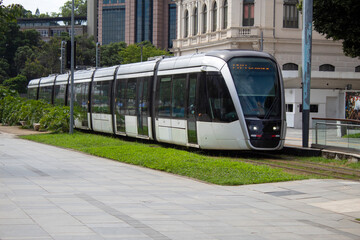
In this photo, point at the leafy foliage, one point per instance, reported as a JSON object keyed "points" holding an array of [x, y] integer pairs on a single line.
{"points": [[18, 83], [339, 20], [56, 119], [109, 54], [80, 8], [4, 69], [14, 109], [132, 53]]}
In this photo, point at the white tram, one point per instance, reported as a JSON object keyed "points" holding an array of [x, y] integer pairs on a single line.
{"points": [[226, 100]]}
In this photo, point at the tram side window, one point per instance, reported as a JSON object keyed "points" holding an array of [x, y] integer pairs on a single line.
{"points": [[45, 93], [143, 94], [131, 97], [178, 96], [120, 96], [59, 96], [221, 107], [81, 94], [101, 97], [164, 102], [32, 93]]}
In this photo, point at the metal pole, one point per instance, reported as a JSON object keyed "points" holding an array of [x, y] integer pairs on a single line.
{"points": [[141, 52], [72, 72], [306, 62], [97, 55], [62, 62]]}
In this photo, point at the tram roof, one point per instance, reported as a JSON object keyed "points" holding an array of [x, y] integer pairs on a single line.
{"points": [[202, 59], [47, 81], [103, 74], [83, 75], [136, 68], [62, 78], [227, 54], [34, 83]]}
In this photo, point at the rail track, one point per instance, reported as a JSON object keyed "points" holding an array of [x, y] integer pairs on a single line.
{"points": [[296, 165]]}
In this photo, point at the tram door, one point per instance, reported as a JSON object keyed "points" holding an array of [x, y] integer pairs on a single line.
{"points": [[191, 109]]}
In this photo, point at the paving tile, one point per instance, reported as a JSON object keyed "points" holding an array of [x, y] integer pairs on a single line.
{"points": [[52, 193], [17, 231]]}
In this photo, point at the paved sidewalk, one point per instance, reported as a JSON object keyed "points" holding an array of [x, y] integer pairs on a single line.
{"points": [[52, 193]]}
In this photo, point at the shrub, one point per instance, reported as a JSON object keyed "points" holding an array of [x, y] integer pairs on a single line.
{"points": [[32, 111], [10, 110], [56, 119], [5, 91], [18, 83], [14, 109]]}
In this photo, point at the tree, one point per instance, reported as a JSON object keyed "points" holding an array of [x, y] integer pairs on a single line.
{"points": [[4, 69], [11, 37], [34, 69], [132, 53], [339, 20], [109, 54], [80, 8], [49, 55], [23, 54], [85, 51], [31, 38], [18, 83]]}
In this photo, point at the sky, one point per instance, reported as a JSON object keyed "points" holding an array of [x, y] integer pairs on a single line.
{"points": [[43, 5]]}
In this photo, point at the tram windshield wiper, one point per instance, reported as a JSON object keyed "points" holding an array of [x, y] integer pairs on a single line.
{"points": [[267, 115]]}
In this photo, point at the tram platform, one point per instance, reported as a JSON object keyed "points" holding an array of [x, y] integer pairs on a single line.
{"points": [[52, 193]]}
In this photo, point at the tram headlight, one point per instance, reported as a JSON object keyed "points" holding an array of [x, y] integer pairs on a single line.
{"points": [[253, 128], [276, 128]]}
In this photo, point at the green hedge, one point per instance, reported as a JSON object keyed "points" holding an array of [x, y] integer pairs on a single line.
{"points": [[14, 109]]}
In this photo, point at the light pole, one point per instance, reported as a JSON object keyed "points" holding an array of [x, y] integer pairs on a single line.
{"points": [[62, 61], [98, 54], [71, 130], [141, 52], [306, 62]]}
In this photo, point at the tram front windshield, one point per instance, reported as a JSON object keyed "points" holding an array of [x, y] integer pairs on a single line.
{"points": [[257, 85]]}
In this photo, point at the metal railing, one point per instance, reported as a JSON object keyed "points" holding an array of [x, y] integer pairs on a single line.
{"points": [[339, 133]]}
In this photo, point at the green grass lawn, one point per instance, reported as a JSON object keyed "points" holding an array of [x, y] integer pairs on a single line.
{"points": [[223, 171], [355, 135]]}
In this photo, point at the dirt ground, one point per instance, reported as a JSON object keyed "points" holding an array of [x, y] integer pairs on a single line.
{"points": [[17, 130]]}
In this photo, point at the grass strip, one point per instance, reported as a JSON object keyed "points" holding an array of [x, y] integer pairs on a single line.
{"points": [[332, 162], [222, 171]]}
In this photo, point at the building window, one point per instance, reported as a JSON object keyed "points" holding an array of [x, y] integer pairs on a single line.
{"points": [[248, 14], [204, 18], [113, 21], [290, 108], [357, 69], [290, 67], [195, 27], [314, 108], [291, 14], [172, 25], [144, 20], [186, 24], [214, 17], [327, 68], [225, 15]]}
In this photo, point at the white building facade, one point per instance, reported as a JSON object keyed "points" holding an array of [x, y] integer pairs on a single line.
{"points": [[274, 26]]}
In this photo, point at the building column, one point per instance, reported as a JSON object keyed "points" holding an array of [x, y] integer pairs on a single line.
{"points": [[179, 20]]}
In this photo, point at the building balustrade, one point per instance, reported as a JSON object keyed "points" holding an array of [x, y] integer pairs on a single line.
{"points": [[237, 32]]}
